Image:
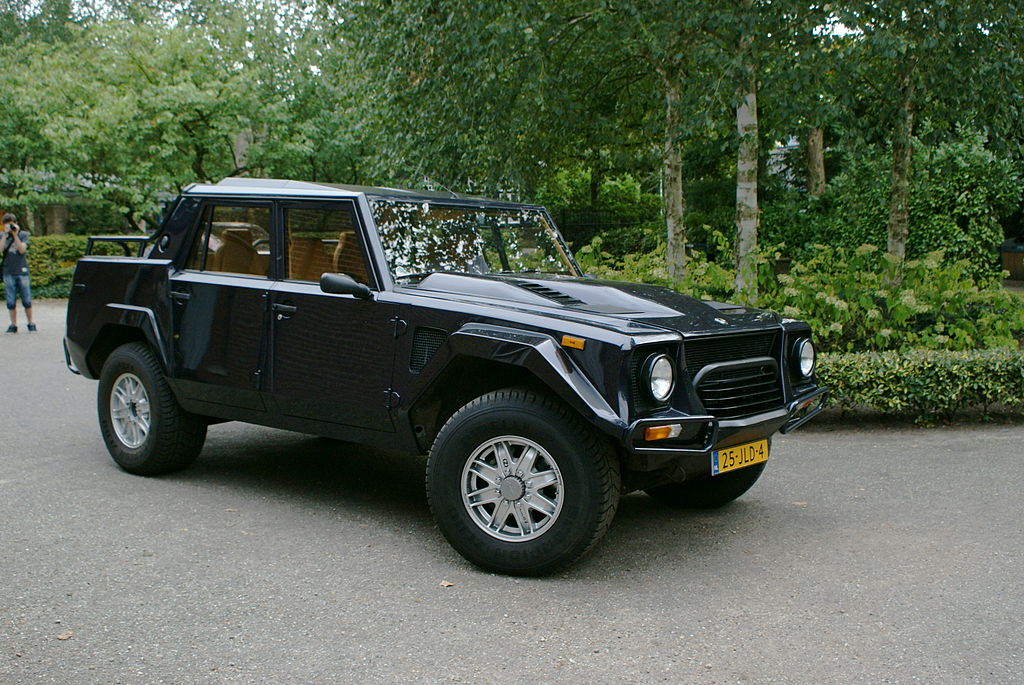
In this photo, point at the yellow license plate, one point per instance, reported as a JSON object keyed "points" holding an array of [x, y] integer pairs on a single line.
{"points": [[732, 458]]}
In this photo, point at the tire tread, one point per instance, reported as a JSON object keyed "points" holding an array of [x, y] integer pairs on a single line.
{"points": [[609, 479], [181, 434]]}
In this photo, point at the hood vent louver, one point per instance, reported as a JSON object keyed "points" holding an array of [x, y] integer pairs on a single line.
{"points": [[550, 293]]}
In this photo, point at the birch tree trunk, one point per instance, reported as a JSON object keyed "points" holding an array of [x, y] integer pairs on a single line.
{"points": [[747, 212], [899, 183], [675, 202], [815, 162]]}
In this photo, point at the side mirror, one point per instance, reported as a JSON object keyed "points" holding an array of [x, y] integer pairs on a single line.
{"points": [[343, 284]]}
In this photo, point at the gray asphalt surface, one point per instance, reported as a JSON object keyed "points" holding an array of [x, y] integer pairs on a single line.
{"points": [[864, 555]]}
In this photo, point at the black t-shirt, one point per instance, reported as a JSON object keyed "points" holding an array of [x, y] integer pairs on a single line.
{"points": [[15, 263]]}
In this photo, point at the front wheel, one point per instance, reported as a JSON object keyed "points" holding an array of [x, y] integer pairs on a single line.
{"points": [[519, 484], [145, 429], [708, 493]]}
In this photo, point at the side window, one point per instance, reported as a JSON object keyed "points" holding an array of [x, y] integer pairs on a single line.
{"points": [[323, 241], [232, 239]]}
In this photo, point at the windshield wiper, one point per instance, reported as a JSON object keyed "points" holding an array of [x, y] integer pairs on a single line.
{"points": [[419, 274]]}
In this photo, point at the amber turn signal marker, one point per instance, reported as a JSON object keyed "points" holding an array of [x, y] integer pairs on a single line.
{"points": [[662, 432], [575, 343]]}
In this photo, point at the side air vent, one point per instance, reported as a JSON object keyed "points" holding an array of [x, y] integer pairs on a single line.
{"points": [[425, 343], [549, 293]]}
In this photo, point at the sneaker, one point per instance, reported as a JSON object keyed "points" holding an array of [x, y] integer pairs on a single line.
{"points": [[12, 328], [31, 328]]}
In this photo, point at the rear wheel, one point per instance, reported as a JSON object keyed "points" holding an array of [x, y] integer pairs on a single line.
{"points": [[519, 484], [145, 429], [708, 493]]}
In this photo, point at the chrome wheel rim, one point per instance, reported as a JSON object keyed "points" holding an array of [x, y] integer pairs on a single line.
{"points": [[512, 489], [129, 410]]}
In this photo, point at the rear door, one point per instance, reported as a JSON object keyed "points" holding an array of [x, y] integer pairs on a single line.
{"points": [[331, 354], [219, 305]]}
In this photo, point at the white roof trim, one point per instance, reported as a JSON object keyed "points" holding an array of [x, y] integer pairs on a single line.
{"points": [[259, 186]]}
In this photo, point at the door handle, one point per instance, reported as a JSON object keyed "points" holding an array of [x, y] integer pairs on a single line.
{"points": [[180, 295], [284, 311]]}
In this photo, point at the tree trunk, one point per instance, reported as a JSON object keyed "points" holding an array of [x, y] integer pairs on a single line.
{"points": [[28, 220], [56, 219], [747, 212], [899, 183], [675, 201], [596, 176], [240, 151], [815, 162]]}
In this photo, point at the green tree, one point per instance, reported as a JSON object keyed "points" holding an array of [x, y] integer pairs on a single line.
{"points": [[936, 63], [146, 99]]}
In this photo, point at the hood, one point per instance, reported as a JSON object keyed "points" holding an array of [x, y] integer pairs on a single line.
{"points": [[629, 302]]}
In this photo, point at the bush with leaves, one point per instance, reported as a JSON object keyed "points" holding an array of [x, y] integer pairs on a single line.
{"points": [[925, 383], [854, 299], [627, 218], [863, 299], [51, 262], [959, 193], [704, 278]]}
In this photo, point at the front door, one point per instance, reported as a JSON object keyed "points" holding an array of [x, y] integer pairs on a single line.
{"points": [[219, 306], [332, 354]]}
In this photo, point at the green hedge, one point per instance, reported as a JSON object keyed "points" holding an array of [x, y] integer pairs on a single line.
{"points": [[51, 262], [925, 383]]}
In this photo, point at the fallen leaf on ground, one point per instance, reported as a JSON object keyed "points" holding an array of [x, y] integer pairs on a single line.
{"points": [[445, 583], [66, 635]]}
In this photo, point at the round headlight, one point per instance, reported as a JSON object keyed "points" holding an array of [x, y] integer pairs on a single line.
{"points": [[805, 357], [660, 375]]}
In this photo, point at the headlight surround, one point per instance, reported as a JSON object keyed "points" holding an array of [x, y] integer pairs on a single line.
{"points": [[660, 376], [804, 357]]}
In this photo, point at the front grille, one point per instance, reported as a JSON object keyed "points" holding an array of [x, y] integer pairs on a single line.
{"points": [[736, 391], [425, 343], [727, 348]]}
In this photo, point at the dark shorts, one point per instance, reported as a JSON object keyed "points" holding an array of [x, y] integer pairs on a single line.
{"points": [[14, 284]]}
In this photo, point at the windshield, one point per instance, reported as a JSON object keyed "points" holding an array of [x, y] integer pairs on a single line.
{"points": [[424, 237]]}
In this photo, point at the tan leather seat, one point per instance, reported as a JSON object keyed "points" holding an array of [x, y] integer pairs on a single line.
{"points": [[348, 259], [236, 254], [308, 259]]}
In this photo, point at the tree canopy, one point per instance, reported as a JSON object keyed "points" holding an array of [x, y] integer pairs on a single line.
{"points": [[120, 103]]}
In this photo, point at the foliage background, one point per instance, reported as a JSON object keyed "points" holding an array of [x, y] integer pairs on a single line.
{"points": [[599, 109]]}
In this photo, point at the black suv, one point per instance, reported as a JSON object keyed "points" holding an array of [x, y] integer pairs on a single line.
{"points": [[439, 324]]}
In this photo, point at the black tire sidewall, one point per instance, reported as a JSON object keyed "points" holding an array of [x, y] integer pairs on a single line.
{"points": [[131, 359], [709, 493], [574, 529]]}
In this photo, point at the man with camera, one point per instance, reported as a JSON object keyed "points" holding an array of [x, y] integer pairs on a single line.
{"points": [[13, 246]]}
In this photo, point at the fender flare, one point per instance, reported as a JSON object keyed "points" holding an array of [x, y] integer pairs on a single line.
{"points": [[144, 320], [541, 355]]}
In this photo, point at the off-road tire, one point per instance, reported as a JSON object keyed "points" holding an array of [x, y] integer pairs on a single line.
{"points": [[708, 493], [173, 438], [588, 489]]}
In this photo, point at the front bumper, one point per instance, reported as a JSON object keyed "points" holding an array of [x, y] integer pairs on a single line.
{"points": [[702, 435]]}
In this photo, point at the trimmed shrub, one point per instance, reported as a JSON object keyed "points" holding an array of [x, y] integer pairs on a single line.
{"points": [[51, 262], [925, 383]]}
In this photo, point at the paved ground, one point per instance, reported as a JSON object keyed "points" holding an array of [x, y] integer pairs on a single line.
{"points": [[863, 556]]}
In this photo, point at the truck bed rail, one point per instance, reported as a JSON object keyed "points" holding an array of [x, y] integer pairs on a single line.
{"points": [[128, 243]]}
